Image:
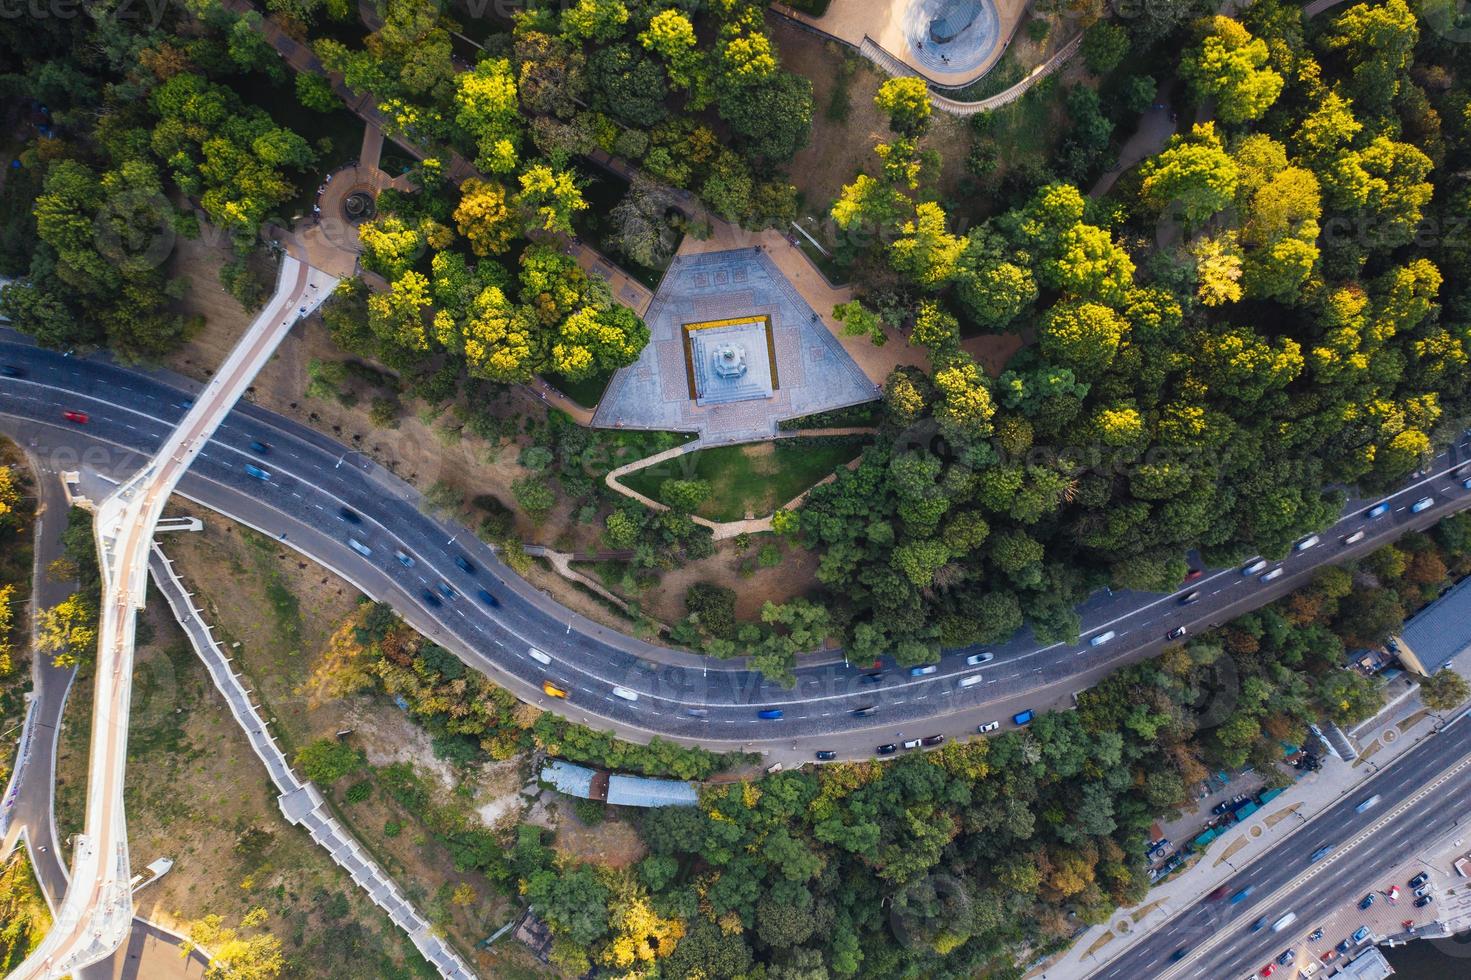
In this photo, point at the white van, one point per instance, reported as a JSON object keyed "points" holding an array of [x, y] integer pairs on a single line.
{"points": [[539, 657], [1102, 638], [625, 694]]}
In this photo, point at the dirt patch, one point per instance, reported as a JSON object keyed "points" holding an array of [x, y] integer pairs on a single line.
{"points": [[1282, 815], [1410, 722], [1229, 852], [992, 351], [1368, 752], [611, 842], [1138, 915], [1103, 941]]}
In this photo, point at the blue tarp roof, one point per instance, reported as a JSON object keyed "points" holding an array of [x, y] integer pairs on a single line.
{"points": [[636, 791], [568, 778]]}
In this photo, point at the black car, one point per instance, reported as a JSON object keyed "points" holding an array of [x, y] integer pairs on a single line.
{"points": [[1423, 901], [873, 677], [1419, 879], [865, 711], [826, 756], [888, 748], [487, 598], [1175, 633], [11, 371], [430, 599], [465, 566], [1179, 954], [446, 591], [258, 447], [1189, 597], [934, 739], [349, 515]]}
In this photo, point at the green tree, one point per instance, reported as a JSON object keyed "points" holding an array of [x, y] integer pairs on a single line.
{"points": [[1444, 690], [906, 101], [1193, 178], [326, 760], [1231, 67]]}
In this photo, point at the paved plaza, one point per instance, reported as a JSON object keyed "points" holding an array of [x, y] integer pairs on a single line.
{"points": [[733, 349]]}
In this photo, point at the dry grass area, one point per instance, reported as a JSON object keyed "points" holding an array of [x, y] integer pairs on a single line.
{"points": [[841, 148], [1229, 852], [1282, 815]]}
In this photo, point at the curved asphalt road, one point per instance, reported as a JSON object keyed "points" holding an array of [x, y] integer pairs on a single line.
{"points": [[1423, 795], [313, 477]]}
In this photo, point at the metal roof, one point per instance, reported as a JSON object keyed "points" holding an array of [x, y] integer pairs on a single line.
{"points": [[636, 791], [568, 778], [1442, 630], [1368, 965]]}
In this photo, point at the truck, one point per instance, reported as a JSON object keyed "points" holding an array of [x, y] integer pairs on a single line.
{"points": [[1284, 922]]}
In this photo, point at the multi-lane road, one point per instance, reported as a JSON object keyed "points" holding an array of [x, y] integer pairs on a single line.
{"points": [[320, 494], [1422, 796]]}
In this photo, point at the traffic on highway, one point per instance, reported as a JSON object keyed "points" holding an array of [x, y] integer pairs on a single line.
{"points": [[333, 504]]}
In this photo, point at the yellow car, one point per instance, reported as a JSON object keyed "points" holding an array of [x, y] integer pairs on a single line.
{"points": [[549, 688]]}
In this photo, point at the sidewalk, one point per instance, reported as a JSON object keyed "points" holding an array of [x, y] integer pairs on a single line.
{"points": [[1382, 740]]}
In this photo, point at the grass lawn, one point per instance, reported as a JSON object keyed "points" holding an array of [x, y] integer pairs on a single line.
{"points": [[587, 392], [755, 479]]}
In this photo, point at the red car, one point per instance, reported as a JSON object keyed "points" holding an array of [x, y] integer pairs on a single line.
{"points": [[74, 416], [1269, 969], [1194, 574]]}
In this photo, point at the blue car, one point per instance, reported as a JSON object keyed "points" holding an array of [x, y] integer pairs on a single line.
{"points": [[430, 599], [465, 566], [1378, 510], [1242, 895], [258, 447], [252, 470], [1361, 934], [1022, 718], [770, 714], [1321, 853], [446, 591], [1423, 504], [487, 598]]}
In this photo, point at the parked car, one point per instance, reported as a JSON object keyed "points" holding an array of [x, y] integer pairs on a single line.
{"points": [[933, 739], [989, 726], [1344, 946], [1367, 901], [923, 670], [769, 714], [888, 748], [1269, 969], [1315, 935], [1393, 895], [1288, 955], [826, 755], [1022, 717], [910, 743], [487, 598], [1419, 879], [1360, 934], [349, 515], [1423, 504], [976, 659], [464, 565], [1102, 638], [1423, 901], [1378, 510], [1194, 574]]}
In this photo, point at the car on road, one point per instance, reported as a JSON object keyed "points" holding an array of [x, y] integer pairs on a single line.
{"points": [[1360, 934], [1366, 803], [1102, 638], [1311, 541], [1367, 901], [1419, 879], [258, 447], [359, 547], [1175, 633], [11, 371], [922, 670], [888, 748], [976, 659], [1179, 954], [865, 711], [826, 755], [1423, 901], [1284, 922], [349, 515], [971, 681], [252, 470], [1378, 510], [933, 739], [430, 599], [446, 591], [1423, 504], [872, 677], [1242, 895], [1022, 717], [1466, 483], [464, 565], [1254, 566], [769, 714], [404, 558], [552, 690], [697, 712], [1354, 538], [911, 743], [625, 694], [1275, 573], [989, 726], [538, 656], [1321, 853], [1259, 924], [487, 598], [1192, 596]]}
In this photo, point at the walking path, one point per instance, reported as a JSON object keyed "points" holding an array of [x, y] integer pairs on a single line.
{"points": [[301, 802], [1382, 740]]}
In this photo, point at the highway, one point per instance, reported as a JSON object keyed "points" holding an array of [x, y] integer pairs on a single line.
{"points": [[312, 479], [1424, 794]]}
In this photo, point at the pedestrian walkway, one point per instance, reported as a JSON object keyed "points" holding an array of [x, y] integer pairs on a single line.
{"points": [[301, 803], [1391, 734]]}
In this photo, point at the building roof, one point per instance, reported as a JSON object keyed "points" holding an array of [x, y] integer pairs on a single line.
{"points": [[568, 778], [636, 791], [1442, 630], [1368, 965]]}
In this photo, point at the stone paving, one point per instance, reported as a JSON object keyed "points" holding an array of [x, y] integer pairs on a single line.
{"points": [[815, 373]]}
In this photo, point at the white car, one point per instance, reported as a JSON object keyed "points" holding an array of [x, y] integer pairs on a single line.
{"points": [[1274, 573], [989, 726], [539, 657], [1254, 567], [625, 694], [1424, 503], [1102, 638], [970, 681], [1354, 538], [1307, 542], [976, 659]]}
